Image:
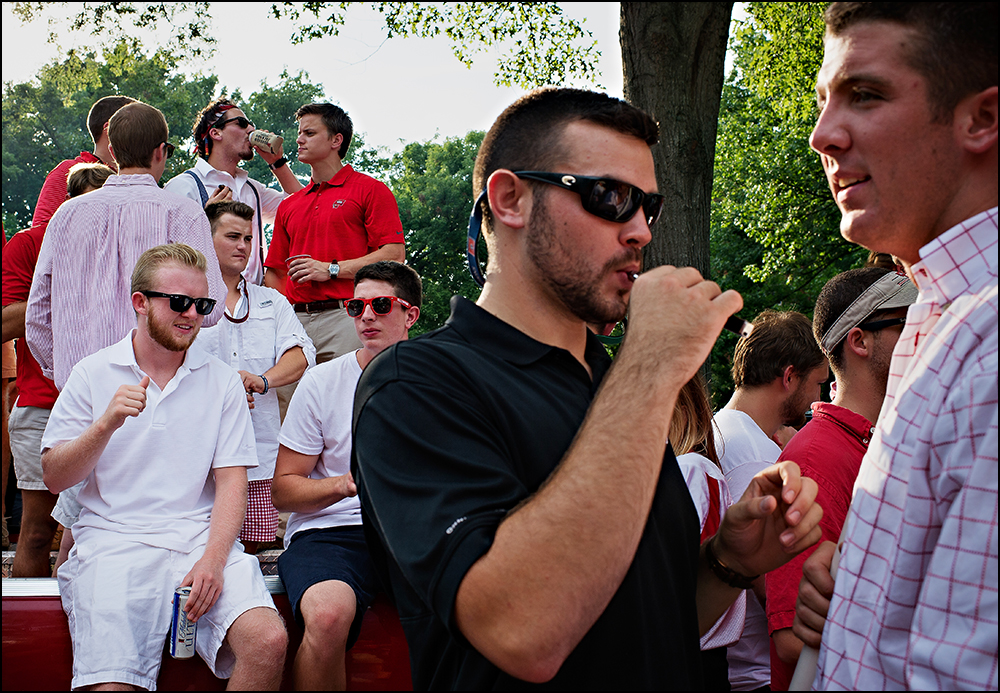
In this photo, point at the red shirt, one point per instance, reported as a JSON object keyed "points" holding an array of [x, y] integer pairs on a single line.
{"points": [[53, 191], [344, 218], [19, 258], [829, 451]]}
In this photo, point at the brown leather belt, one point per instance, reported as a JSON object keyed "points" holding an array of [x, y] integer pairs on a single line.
{"points": [[318, 306]]}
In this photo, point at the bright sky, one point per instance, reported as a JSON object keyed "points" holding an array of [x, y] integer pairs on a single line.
{"points": [[397, 90]]}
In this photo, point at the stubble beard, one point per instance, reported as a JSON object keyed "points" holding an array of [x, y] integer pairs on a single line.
{"points": [[159, 331], [574, 283], [793, 409]]}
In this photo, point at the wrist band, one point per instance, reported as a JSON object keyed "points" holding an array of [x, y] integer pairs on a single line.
{"points": [[278, 163], [266, 388], [725, 573]]}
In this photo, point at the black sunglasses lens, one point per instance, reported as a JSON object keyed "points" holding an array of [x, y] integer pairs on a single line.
{"points": [[355, 307], [652, 206], [382, 305], [611, 200], [204, 306], [179, 303]]}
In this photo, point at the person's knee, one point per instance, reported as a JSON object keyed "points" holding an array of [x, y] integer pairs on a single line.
{"points": [[37, 535], [261, 639], [331, 622]]}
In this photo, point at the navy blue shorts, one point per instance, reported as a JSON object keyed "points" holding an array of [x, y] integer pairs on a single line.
{"points": [[329, 553]]}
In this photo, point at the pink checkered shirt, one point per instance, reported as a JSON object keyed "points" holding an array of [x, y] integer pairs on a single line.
{"points": [[80, 299], [915, 604]]}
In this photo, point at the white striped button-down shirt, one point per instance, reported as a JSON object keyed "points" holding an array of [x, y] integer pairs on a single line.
{"points": [[80, 299], [915, 603]]}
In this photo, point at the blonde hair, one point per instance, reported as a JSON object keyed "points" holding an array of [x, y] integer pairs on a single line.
{"points": [[691, 424], [144, 272]]}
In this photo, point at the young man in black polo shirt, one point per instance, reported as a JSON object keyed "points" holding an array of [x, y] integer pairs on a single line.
{"points": [[517, 492]]}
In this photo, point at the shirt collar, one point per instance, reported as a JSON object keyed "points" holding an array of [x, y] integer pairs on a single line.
{"points": [[861, 427], [123, 354], [338, 180], [201, 166], [134, 179], [956, 262], [486, 331]]}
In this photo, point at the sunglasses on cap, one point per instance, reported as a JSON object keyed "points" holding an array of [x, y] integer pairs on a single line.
{"points": [[381, 305], [179, 303], [241, 122], [607, 198]]}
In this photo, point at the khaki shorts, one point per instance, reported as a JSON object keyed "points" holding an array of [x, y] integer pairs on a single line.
{"points": [[26, 426]]}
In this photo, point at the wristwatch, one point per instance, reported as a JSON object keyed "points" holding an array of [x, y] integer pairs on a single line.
{"points": [[334, 269], [278, 163]]}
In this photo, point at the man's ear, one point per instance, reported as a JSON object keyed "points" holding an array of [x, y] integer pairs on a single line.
{"points": [[140, 304], [509, 199], [412, 313], [976, 121], [788, 378], [858, 342]]}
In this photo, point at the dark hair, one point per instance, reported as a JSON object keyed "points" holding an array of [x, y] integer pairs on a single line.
{"points": [[135, 131], [334, 118], [84, 176], [101, 112], [403, 278], [215, 211], [778, 340], [839, 293], [528, 134], [955, 50], [205, 121]]}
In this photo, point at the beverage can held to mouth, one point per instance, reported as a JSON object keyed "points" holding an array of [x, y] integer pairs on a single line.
{"points": [[266, 140], [183, 631]]}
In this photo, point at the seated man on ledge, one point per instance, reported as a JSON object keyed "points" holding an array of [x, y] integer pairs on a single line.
{"points": [[163, 438]]}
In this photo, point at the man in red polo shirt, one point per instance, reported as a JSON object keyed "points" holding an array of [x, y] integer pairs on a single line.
{"points": [[53, 191], [340, 222]]}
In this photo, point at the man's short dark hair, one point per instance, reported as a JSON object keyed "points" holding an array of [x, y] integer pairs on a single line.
{"points": [[403, 278], [101, 112], [835, 297], [205, 121], [215, 211], [779, 339], [84, 177], [528, 134], [135, 131], [334, 118], [957, 47]]}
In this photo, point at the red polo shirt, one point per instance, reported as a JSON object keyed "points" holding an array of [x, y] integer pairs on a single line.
{"points": [[344, 218], [19, 258], [53, 191]]}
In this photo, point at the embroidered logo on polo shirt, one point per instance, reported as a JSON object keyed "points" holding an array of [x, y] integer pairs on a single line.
{"points": [[338, 203]]}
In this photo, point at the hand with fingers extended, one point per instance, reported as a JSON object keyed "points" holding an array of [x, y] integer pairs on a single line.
{"points": [[675, 316], [815, 593], [776, 518], [129, 400], [205, 579]]}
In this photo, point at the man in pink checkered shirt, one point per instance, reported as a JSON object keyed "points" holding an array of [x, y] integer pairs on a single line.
{"points": [[907, 134]]}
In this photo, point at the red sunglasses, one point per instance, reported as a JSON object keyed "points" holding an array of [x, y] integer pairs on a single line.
{"points": [[381, 305]]}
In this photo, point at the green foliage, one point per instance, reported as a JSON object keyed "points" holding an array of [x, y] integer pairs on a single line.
{"points": [[539, 44], [775, 228], [432, 183], [44, 121]]}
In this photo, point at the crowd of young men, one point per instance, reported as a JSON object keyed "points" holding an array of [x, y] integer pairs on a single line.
{"points": [[530, 528]]}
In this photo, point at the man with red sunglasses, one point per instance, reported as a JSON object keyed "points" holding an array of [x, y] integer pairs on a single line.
{"points": [[325, 566], [519, 494]]}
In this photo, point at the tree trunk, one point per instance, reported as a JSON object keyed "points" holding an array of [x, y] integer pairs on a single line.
{"points": [[673, 55]]}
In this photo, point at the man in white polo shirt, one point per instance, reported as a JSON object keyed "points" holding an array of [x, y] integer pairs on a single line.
{"points": [[325, 567], [161, 437]]}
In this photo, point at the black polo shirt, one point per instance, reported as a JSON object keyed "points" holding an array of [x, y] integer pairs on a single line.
{"points": [[451, 431]]}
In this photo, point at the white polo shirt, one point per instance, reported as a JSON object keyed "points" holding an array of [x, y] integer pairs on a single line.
{"points": [[212, 178], [255, 344], [318, 422], [154, 478]]}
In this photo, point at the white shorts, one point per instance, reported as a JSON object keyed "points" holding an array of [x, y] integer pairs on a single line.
{"points": [[113, 586], [26, 426]]}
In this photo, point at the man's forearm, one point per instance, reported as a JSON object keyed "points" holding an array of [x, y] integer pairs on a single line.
{"points": [[287, 180], [228, 511], [300, 494], [13, 321], [288, 369], [69, 463], [273, 279], [391, 251]]}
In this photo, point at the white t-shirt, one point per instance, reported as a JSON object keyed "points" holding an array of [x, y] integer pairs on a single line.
{"points": [[694, 467], [318, 422], [255, 345], [155, 478], [744, 449]]}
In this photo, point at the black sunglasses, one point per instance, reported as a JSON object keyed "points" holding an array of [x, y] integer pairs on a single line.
{"points": [[606, 198], [382, 305], [170, 149], [240, 121], [179, 303], [876, 325]]}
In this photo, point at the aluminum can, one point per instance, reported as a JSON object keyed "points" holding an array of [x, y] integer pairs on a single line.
{"points": [[266, 140], [183, 631]]}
